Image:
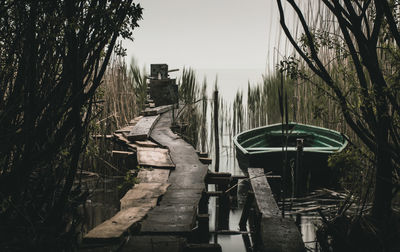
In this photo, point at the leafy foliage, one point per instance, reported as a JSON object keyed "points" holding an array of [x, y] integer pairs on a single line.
{"points": [[348, 50], [53, 56]]}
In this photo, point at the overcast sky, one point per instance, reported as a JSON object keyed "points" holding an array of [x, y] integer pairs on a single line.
{"points": [[206, 34]]}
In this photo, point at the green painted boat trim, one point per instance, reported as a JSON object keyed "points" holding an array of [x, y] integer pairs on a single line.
{"points": [[331, 141]]}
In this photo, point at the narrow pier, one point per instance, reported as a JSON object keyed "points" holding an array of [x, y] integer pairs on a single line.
{"points": [[168, 209]]}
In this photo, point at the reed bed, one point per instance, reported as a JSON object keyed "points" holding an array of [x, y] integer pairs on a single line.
{"points": [[192, 114], [119, 99]]}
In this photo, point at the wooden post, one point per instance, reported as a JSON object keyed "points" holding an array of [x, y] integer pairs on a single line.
{"points": [[224, 208], [216, 223], [299, 171], [233, 191], [203, 218], [203, 203], [216, 131], [246, 242], [246, 211]]}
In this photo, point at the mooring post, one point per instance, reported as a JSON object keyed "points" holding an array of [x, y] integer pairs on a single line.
{"points": [[233, 187], [246, 211], [224, 208], [216, 133], [299, 170]]}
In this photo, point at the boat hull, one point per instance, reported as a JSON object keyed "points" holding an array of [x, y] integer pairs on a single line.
{"points": [[314, 169], [310, 163]]}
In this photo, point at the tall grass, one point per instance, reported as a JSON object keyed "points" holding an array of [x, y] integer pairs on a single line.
{"points": [[119, 99], [192, 115]]}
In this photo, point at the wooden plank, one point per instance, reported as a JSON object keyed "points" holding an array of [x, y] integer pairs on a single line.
{"points": [[119, 138], [146, 143], [280, 234], [205, 160], [202, 154], [154, 157], [164, 243], [173, 218], [125, 129], [153, 175], [203, 247], [122, 153], [219, 174], [142, 130], [135, 120], [113, 229], [262, 193], [277, 233], [239, 177], [102, 136], [218, 180], [190, 197], [143, 194], [214, 193], [157, 110]]}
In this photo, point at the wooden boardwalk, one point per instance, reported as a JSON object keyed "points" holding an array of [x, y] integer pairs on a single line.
{"points": [[176, 213], [169, 224]]}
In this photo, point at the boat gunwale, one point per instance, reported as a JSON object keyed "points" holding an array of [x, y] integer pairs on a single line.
{"points": [[279, 149]]}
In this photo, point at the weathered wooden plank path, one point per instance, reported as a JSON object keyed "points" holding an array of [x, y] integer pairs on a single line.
{"points": [[177, 210], [276, 233], [168, 225], [144, 196]]}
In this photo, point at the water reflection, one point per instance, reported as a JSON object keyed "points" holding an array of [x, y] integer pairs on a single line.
{"points": [[103, 202]]}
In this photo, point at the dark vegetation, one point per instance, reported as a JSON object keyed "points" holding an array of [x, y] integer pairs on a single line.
{"points": [[53, 56], [351, 56]]}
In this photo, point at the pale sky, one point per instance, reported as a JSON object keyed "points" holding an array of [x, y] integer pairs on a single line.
{"points": [[206, 34]]}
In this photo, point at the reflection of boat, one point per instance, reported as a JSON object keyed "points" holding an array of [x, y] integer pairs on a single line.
{"points": [[262, 148]]}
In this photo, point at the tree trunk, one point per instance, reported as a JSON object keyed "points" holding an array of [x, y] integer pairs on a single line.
{"points": [[381, 208]]}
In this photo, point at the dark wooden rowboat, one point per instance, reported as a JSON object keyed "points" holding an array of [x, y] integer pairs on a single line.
{"points": [[262, 148]]}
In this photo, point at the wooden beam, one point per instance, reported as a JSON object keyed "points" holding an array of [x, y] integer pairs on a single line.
{"points": [[112, 230], [142, 130], [122, 153], [214, 194], [262, 192], [153, 175], [154, 157], [218, 174], [202, 154], [205, 160], [143, 194], [146, 143], [276, 233], [218, 180], [156, 110], [102, 136]]}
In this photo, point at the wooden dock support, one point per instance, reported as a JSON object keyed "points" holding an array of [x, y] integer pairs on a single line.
{"points": [[216, 130], [246, 211], [224, 208], [275, 233], [203, 219]]}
